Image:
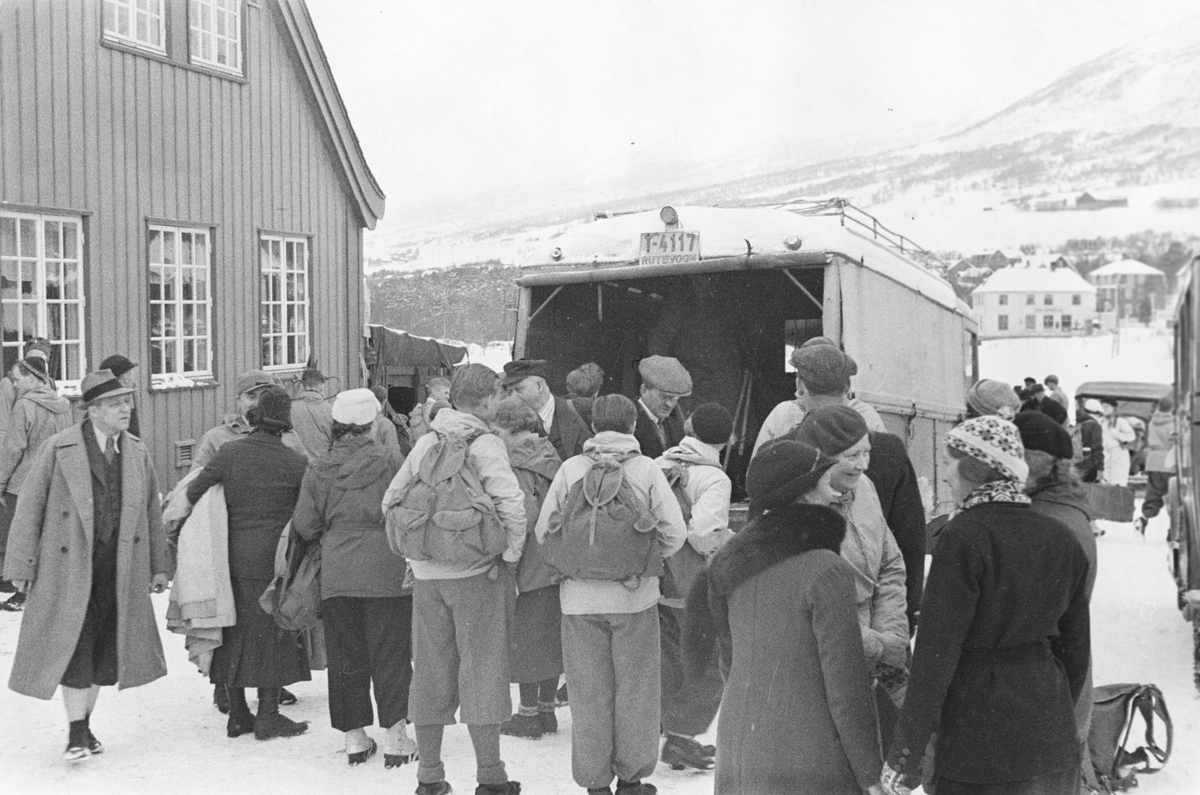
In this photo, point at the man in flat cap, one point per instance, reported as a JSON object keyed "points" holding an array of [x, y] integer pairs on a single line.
{"points": [[88, 547], [660, 420], [566, 430], [823, 373], [248, 387]]}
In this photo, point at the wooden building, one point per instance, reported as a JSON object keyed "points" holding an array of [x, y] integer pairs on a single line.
{"points": [[180, 183]]}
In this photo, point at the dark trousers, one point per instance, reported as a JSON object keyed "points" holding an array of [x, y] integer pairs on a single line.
{"points": [[688, 705], [368, 642], [1156, 492]]}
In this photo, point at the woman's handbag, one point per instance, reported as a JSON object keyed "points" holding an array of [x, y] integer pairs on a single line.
{"points": [[293, 598]]}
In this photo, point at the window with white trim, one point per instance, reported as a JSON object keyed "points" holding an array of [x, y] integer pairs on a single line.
{"points": [[1048, 322], [1066, 323], [1002, 323], [136, 22], [215, 33], [41, 289], [180, 303], [284, 316]]}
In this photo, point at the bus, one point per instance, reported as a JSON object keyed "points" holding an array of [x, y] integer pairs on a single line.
{"points": [[730, 292], [1184, 503]]}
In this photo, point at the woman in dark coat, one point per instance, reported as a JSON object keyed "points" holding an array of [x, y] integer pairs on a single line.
{"points": [[777, 601], [365, 608], [1004, 644], [262, 479], [535, 643]]}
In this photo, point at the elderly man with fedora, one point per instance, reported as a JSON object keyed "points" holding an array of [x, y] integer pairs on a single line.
{"points": [[87, 545], [122, 368], [823, 373], [562, 425], [312, 416], [660, 419]]}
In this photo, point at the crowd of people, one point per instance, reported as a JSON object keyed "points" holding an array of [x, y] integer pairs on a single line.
{"points": [[503, 535]]}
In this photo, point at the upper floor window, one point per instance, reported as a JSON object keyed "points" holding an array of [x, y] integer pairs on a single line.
{"points": [[283, 318], [41, 284], [216, 33], [180, 304], [1048, 299], [1030, 299], [1003, 300], [1076, 300], [136, 22]]}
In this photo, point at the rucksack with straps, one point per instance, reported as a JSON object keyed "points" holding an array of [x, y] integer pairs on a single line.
{"points": [[445, 515], [1115, 710], [682, 568], [603, 529]]}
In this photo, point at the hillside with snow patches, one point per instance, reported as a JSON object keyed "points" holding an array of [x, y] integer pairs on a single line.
{"points": [[1127, 122]]}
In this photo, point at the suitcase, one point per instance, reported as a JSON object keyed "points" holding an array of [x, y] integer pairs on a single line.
{"points": [[1111, 502]]}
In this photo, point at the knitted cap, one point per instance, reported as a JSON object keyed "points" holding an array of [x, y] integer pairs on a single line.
{"points": [[667, 374], [355, 407], [712, 424], [993, 441], [1040, 432], [993, 397], [823, 368], [782, 472], [832, 429]]}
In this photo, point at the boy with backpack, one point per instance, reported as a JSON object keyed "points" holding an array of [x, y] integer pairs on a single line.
{"points": [[703, 490], [457, 513], [607, 523]]}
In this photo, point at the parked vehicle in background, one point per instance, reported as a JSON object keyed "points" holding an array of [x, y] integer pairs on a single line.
{"points": [[1182, 497], [731, 292], [1135, 402]]}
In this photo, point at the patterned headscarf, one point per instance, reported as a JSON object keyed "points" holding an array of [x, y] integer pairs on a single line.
{"points": [[994, 441]]}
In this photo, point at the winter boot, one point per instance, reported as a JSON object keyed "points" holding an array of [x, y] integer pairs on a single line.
{"points": [[286, 697], [6, 586], [77, 742], [398, 747], [436, 788], [1140, 525], [359, 747], [269, 723], [94, 746], [546, 716], [635, 788], [600, 791], [14, 603], [507, 788], [241, 719], [221, 699], [526, 723], [560, 698], [680, 752]]}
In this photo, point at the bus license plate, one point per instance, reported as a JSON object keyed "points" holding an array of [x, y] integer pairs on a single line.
{"points": [[669, 248]]}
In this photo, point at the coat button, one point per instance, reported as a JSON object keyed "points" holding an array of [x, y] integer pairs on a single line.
{"points": [[64, 549], [66, 514], [136, 539], [905, 751]]}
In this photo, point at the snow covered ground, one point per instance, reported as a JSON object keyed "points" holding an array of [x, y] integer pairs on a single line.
{"points": [[166, 736]]}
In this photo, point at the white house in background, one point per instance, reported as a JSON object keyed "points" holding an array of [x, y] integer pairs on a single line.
{"points": [[1034, 302], [1129, 288]]}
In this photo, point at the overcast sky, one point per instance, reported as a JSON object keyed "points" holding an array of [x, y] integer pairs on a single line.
{"points": [[459, 101]]}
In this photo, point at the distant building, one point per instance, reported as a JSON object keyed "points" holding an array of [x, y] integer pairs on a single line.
{"points": [[1129, 289], [1034, 302], [1088, 201]]}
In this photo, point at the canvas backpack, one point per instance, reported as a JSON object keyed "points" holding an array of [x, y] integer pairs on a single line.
{"points": [[444, 514], [1115, 711], [603, 529], [293, 597], [682, 568]]}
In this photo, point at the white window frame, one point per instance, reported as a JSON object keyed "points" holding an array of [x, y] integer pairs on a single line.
{"points": [[1003, 299], [205, 18], [152, 12], [172, 308], [276, 272], [44, 266], [1002, 323]]}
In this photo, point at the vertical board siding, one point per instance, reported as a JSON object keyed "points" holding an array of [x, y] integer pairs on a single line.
{"points": [[125, 138]]}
